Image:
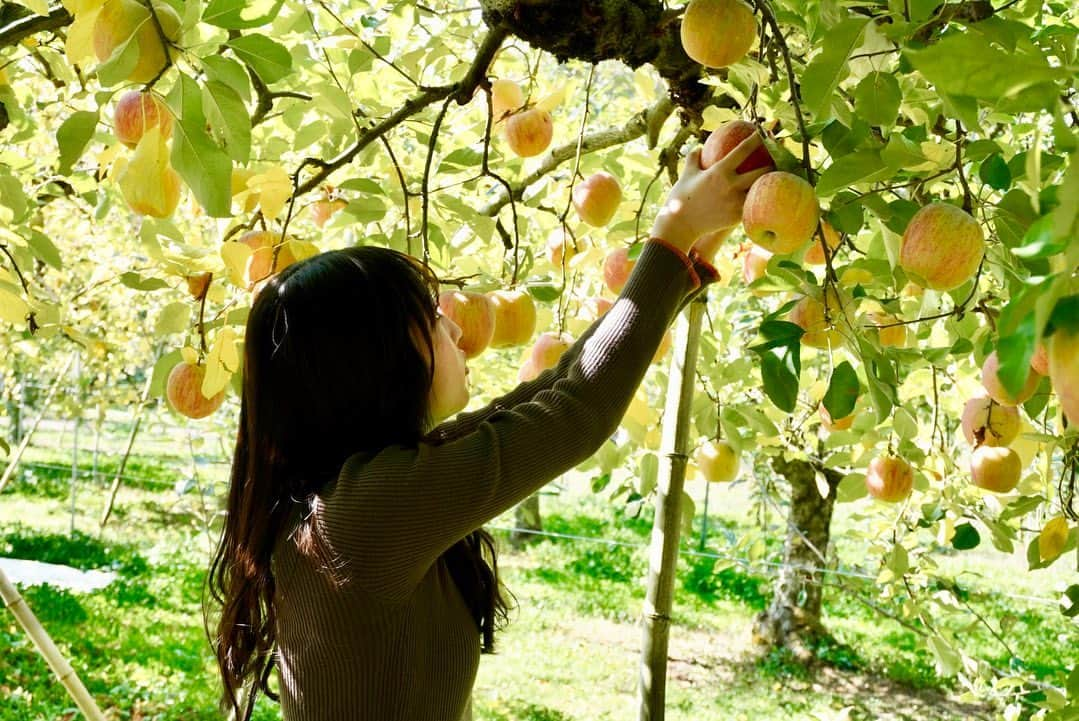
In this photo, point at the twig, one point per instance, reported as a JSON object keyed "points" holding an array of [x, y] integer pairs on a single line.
{"points": [[31, 318], [424, 194], [24, 27]]}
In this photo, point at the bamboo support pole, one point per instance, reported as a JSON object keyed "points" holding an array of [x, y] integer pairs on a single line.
{"points": [[25, 443], [48, 650], [663, 553]]}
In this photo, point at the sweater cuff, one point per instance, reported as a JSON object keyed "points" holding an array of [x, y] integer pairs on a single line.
{"points": [[706, 272], [687, 260]]}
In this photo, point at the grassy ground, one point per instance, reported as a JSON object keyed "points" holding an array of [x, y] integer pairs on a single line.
{"points": [[571, 651]]}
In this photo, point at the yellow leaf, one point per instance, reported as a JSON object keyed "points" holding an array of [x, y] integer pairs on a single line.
{"points": [[221, 355], [189, 354], [148, 183], [274, 188], [713, 117], [302, 249], [552, 101], [13, 308], [1052, 539], [235, 256], [80, 42]]}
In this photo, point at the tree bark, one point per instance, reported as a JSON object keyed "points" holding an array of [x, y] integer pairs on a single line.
{"points": [[793, 620], [526, 517]]}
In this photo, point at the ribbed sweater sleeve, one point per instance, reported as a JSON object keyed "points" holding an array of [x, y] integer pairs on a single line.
{"points": [[392, 514]]}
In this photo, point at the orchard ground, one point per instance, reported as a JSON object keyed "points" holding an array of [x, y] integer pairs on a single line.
{"points": [[572, 649]]}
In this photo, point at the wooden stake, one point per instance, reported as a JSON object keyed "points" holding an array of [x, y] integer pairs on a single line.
{"points": [[663, 553], [47, 648]]}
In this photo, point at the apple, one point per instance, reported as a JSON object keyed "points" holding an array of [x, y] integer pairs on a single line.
{"points": [[891, 336], [781, 212], [986, 422], [942, 247], [616, 269], [889, 479], [474, 314], [726, 138], [830, 425], [717, 33], [1063, 350], [996, 389], [545, 353], [515, 317], [755, 264], [717, 461], [135, 113], [119, 20], [1040, 360], [198, 284], [529, 132], [184, 391], [561, 247], [597, 197], [262, 264], [995, 468], [595, 307], [323, 210], [506, 97], [821, 325], [815, 254]]}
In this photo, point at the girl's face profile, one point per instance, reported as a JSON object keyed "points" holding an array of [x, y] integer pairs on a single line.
{"points": [[449, 386]]}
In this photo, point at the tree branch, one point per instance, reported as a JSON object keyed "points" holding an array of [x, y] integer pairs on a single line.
{"points": [[24, 27]]}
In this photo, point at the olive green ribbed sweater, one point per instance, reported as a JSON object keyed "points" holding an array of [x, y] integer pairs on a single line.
{"points": [[396, 642]]}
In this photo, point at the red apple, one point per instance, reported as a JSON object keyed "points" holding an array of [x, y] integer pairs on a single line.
{"points": [[561, 247], [717, 461], [987, 422], [119, 20], [995, 468], [942, 247], [595, 307], [717, 33], [889, 479], [781, 212], [1040, 360], [184, 392], [261, 264], [136, 112], [815, 254], [996, 389], [515, 317], [617, 267], [726, 138], [1063, 349], [755, 264], [545, 353], [474, 314], [529, 132], [597, 197]]}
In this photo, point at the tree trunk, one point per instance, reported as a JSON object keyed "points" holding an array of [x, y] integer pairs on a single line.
{"points": [[793, 620], [526, 517]]}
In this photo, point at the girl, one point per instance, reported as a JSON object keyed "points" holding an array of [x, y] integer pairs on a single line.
{"points": [[351, 555]]}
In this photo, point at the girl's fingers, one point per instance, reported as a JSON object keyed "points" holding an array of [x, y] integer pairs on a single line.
{"points": [[733, 159], [742, 181], [693, 163]]}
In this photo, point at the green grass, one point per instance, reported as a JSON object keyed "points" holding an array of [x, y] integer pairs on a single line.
{"points": [[571, 651]]}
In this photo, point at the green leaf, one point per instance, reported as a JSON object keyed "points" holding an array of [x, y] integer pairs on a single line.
{"points": [[43, 248], [968, 64], [119, 66], [647, 473], [229, 14], [73, 136], [138, 282], [1065, 315], [1014, 352], [948, 660], [13, 196], [777, 334], [880, 396], [877, 98], [780, 381], [174, 318], [842, 393], [204, 166], [902, 153], [544, 292], [1072, 609], [270, 60], [228, 71], [994, 172], [966, 537], [905, 424], [5, 447], [229, 120], [824, 72], [1039, 241], [862, 166]]}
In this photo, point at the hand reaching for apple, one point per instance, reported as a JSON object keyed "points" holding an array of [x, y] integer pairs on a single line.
{"points": [[704, 201]]}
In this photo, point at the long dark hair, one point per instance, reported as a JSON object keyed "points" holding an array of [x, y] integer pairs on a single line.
{"points": [[338, 359]]}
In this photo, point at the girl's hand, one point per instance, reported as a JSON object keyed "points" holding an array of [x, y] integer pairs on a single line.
{"points": [[703, 201], [707, 245]]}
